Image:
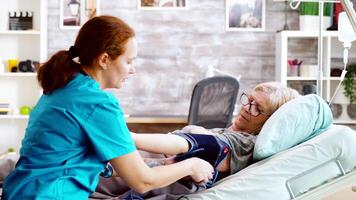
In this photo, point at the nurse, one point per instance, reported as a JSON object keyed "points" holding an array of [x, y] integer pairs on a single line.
{"points": [[76, 128]]}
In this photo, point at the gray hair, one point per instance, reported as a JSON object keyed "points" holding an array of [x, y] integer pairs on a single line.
{"points": [[277, 94]]}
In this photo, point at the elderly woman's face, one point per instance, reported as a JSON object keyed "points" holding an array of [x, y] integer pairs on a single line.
{"points": [[247, 121]]}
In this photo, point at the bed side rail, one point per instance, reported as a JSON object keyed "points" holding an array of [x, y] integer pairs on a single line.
{"points": [[314, 177]]}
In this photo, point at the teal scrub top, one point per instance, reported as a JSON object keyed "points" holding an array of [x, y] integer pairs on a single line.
{"points": [[71, 134]]}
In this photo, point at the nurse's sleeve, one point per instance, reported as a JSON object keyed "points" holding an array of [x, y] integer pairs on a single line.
{"points": [[108, 133]]}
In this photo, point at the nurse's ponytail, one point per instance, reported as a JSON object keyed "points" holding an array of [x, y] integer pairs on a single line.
{"points": [[104, 34], [57, 71]]}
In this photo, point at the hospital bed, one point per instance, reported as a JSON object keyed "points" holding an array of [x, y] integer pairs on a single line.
{"points": [[311, 170]]}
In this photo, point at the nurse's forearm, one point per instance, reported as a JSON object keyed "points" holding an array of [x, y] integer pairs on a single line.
{"points": [[141, 178], [161, 143], [167, 174]]}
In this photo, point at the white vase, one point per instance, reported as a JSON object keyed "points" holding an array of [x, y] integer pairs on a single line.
{"points": [[311, 22], [309, 70]]}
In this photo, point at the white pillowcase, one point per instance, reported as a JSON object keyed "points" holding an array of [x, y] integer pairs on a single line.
{"points": [[293, 123]]}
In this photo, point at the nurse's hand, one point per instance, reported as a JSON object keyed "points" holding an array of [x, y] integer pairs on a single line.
{"points": [[202, 170]]}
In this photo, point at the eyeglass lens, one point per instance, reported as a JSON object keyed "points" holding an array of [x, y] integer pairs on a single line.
{"points": [[252, 107]]}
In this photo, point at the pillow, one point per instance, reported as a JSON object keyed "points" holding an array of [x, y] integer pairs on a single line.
{"points": [[293, 123]]}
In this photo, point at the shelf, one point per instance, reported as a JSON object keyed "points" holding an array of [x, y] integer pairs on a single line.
{"points": [[20, 88], [344, 121], [14, 116], [335, 78], [298, 78], [306, 34], [30, 32], [19, 74], [286, 47]]}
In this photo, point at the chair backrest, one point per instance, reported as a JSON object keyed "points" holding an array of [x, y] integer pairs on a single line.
{"points": [[213, 102]]}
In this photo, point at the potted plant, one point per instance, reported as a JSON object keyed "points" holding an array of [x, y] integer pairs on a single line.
{"points": [[309, 16], [350, 89]]}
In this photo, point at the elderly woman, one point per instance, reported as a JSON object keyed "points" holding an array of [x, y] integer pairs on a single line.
{"points": [[233, 146]]}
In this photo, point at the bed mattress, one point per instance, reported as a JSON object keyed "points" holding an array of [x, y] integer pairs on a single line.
{"points": [[291, 172]]}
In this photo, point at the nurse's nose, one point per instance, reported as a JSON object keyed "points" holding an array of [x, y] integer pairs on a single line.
{"points": [[132, 70]]}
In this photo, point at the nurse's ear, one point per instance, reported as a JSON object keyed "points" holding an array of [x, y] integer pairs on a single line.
{"points": [[103, 61]]}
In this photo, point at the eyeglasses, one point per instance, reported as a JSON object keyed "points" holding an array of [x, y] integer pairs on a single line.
{"points": [[253, 109]]}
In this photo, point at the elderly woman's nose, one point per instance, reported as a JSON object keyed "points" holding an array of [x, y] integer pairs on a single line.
{"points": [[247, 107]]}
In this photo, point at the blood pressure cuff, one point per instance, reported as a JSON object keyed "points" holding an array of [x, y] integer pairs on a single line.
{"points": [[207, 147]]}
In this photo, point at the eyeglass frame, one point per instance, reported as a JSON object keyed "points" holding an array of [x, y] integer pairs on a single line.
{"points": [[250, 103]]}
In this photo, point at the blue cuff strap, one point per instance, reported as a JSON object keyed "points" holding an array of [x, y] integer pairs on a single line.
{"points": [[107, 172]]}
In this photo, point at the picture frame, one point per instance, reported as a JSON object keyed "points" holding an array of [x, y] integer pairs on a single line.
{"points": [[245, 15], [162, 4], [74, 13]]}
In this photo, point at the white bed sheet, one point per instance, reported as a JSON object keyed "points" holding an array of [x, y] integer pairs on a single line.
{"points": [[267, 179]]}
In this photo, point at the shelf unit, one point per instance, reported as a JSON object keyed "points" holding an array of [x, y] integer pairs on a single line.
{"points": [[20, 89], [332, 58]]}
